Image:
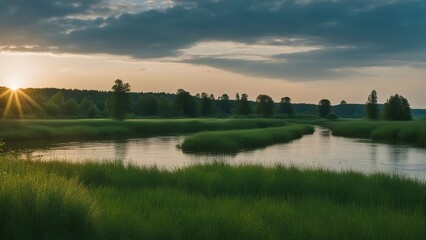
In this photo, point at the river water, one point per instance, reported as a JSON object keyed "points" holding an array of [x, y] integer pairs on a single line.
{"points": [[319, 150]]}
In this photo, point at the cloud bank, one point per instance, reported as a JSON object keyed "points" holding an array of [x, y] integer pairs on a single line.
{"points": [[333, 36]]}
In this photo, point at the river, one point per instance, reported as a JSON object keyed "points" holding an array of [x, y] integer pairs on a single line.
{"points": [[319, 150]]}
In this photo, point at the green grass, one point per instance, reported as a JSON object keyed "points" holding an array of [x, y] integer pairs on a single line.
{"points": [[237, 140], [35, 205], [111, 201], [409, 132], [13, 130]]}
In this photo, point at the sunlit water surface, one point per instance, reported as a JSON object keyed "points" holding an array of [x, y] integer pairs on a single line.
{"points": [[320, 150]]}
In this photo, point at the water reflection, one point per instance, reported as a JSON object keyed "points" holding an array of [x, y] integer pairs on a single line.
{"points": [[320, 150], [120, 149]]}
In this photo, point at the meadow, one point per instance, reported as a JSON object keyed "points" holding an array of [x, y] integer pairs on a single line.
{"points": [[58, 200], [405, 132], [14, 130], [233, 141]]}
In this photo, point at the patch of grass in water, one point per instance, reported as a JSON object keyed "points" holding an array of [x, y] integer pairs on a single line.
{"points": [[237, 140]]}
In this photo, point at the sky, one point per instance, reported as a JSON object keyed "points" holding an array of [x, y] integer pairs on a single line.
{"points": [[305, 49]]}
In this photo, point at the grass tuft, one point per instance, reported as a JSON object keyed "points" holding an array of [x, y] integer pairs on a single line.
{"points": [[35, 205]]}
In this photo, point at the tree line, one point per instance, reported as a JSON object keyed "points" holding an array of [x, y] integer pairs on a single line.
{"points": [[120, 103], [396, 108]]}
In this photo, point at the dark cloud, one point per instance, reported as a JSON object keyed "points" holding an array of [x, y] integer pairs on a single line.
{"points": [[357, 33]]}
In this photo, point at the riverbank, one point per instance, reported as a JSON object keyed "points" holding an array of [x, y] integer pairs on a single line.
{"points": [[238, 140], [112, 201], [405, 132], [16, 130]]}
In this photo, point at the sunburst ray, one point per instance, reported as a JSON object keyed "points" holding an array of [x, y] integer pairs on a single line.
{"points": [[8, 105], [18, 104]]}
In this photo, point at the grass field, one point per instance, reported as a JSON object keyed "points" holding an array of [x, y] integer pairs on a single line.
{"points": [[12, 130], [237, 140], [409, 132], [110, 201]]}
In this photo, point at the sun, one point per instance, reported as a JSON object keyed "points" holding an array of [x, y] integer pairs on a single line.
{"points": [[14, 86], [17, 99]]}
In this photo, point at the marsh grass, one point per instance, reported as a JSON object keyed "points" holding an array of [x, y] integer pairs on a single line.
{"points": [[408, 132], [36, 205], [237, 140], [13, 130], [113, 201]]}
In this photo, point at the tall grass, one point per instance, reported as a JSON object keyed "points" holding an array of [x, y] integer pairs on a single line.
{"points": [[411, 132], [218, 202], [36, 205], [236, 140], [12, 130]]}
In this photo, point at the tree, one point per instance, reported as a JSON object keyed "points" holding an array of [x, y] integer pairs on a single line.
{"points": [[371, 106], [93, 111], [165, 108], [120, 101], [285, 106], [89, 109], [324, 107], [243, 105], [207, 107], [146, 105], [185, 103], [52, 109], [58, 99], [225, 104], [397, 108], [264, 105], [71, 108]]}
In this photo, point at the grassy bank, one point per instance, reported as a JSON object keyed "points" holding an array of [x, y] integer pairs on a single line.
{"points": [[237, 140], [12, 130], [110, 201], [410, 132]]}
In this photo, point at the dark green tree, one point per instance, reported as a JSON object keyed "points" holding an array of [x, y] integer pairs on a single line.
{"points": [[243, 106], [371, 106], [324, 107], [207, 104], [225, 104], [51, 109], [146, 105], [85, 104], [165, 108], [120, 101], [71, 108], [93, 111], [397, 108], [185, 103], [88, 108], [264, 105], [285, 106], [58, 99]]}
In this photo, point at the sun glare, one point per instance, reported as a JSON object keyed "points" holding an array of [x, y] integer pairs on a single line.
{"points": [[14, 87], [15, 98]]}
